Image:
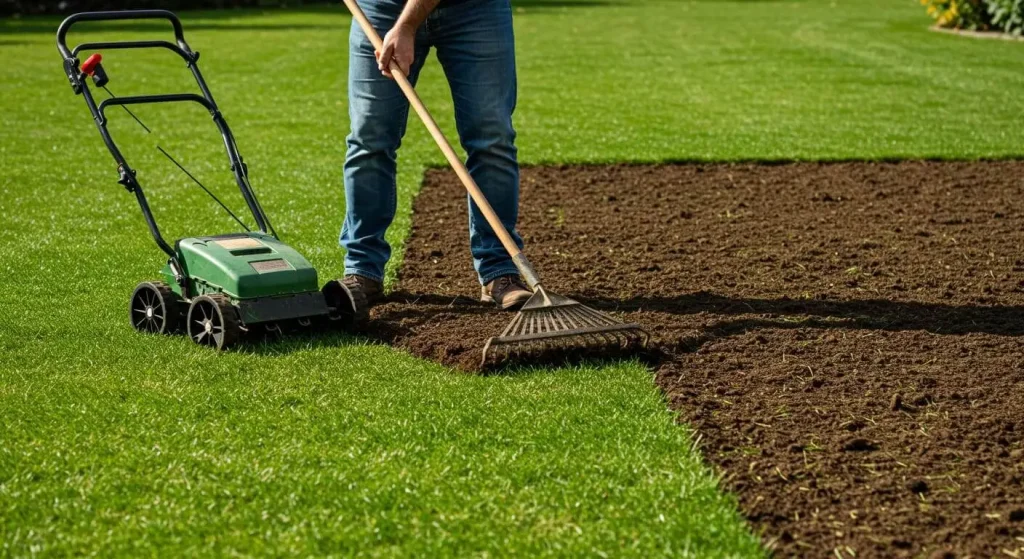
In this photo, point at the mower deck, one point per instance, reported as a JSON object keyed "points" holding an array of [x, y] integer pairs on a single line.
{"points": [[265, 279]]}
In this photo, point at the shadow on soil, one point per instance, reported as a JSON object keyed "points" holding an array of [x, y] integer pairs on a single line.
{"points": [[421, 310], [416, 311], [868, 314]]}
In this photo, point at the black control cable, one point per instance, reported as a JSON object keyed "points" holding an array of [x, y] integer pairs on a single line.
{"points": [[179, 165]]}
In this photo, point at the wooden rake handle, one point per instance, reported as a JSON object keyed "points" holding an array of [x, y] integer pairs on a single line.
{"points": [[442, 142]]}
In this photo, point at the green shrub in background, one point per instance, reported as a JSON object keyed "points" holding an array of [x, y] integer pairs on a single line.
{"points": [[1007, 15], [960, 14]]}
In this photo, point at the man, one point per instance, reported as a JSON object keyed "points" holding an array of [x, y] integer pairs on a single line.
{"points": [[475, 46]]}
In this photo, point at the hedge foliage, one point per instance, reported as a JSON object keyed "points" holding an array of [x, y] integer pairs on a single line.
{"points": [[1006, 16], [18, 7]]}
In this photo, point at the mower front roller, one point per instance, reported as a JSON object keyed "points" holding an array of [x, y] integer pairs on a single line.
{"points": [[155, 308]]}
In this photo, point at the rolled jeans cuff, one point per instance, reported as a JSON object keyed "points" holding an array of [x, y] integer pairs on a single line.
{"points": [[491, 276], [367, 275]]}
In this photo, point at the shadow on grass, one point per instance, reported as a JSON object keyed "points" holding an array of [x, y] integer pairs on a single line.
{"points": [[549, 362], [741, 2], [542, 4], [86, 28], [299, 339], [247, 19]]}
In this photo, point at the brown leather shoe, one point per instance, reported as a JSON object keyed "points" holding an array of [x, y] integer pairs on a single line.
{"points": [[373, 289], [507, 292]]}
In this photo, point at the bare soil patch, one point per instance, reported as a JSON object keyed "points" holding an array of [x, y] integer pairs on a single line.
{"points": [[847, 339]]}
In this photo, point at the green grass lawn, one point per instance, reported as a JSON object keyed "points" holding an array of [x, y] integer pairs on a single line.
{"points": [[122, 444]]}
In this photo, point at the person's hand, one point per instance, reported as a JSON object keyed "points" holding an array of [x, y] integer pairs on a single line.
{"points": [[399, 46]]}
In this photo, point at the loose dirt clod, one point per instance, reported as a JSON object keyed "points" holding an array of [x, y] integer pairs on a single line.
{"points": [[785, 322], [896, 403], [918, 486], [859, 445]]}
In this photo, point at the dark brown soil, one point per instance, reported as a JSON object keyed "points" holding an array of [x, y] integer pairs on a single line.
{"points": [[847, 339]]}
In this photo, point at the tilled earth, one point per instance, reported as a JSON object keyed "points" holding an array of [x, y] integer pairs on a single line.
{"points": [[847, 339]]}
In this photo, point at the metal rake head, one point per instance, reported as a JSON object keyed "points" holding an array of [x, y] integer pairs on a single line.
{"points": [[550, 325]]}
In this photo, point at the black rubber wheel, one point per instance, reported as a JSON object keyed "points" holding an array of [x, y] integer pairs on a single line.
{"points": [[154, 308], [349, 308], [213, 322]]}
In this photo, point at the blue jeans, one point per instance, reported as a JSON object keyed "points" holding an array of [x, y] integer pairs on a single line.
{"points": [[475, 47]]}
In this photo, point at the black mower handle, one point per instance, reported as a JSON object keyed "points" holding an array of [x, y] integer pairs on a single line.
{"points": [[65, 26], [77, 73]]}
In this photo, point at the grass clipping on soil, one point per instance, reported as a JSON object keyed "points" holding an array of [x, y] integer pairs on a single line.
{"points": [[846, 338]]}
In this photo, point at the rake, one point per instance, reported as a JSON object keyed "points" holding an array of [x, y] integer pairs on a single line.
{"points": [[547, 324]]}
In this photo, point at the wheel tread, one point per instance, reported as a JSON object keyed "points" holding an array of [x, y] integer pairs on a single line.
{"points": [[225, 311], [168, 302]]}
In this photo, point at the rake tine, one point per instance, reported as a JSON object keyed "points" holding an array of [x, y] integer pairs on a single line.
{"points": [[512, 325], [572, 323], [550, 323], [596, 315]]}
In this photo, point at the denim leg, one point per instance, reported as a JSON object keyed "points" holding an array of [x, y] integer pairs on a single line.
{"points": [[378, 113], [476, 48]]}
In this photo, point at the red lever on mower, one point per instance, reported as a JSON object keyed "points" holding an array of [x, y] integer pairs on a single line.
{"points": [[90, 64], [92, 67]]}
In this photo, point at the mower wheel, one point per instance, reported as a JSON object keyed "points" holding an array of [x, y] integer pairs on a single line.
{"points": [[213, 321], [155, 309], [349, 306]]}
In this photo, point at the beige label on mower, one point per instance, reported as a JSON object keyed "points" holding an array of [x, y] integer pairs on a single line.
{"points": [[265, 266], [240, 243]]}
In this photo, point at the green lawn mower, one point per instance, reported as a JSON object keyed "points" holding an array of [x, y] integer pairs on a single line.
{"points": [[216, 288]]}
